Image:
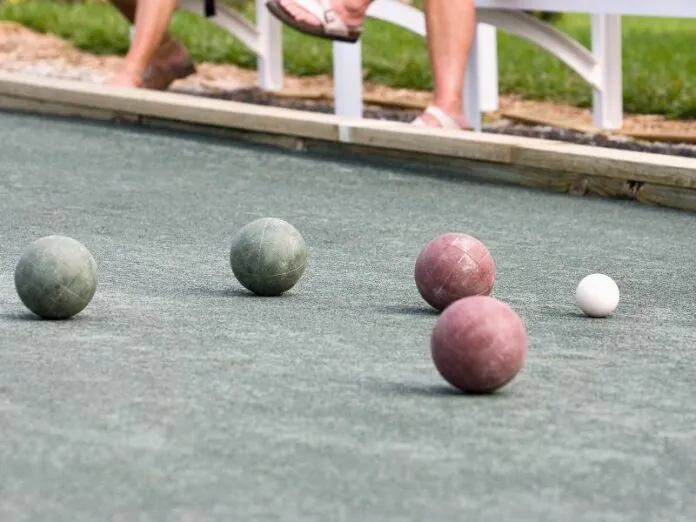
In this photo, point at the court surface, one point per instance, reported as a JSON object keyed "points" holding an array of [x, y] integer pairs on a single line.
{"points": [[175, 396]]}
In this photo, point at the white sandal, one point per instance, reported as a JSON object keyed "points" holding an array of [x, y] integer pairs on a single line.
{"points": [[445, 120]]}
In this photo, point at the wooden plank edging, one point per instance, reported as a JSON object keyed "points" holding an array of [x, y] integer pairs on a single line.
{"points": [[555, 164]]}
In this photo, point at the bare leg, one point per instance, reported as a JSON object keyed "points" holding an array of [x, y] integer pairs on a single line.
{"points": [[450, 29], [153, 48]]}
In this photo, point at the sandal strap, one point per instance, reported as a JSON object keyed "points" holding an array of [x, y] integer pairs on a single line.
{"points": [[444, 119], [323, 10]]}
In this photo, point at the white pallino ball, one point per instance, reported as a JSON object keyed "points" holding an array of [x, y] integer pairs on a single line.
{"points": [[597, 295]]}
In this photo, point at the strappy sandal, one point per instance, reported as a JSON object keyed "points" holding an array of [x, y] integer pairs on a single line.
{"points": [[445, 120], [331, 27]]}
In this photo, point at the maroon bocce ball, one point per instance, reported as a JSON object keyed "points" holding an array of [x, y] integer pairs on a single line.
{"points": [[479, 344], [453, 266]]}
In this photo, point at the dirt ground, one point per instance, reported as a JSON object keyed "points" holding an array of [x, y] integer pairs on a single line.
{"points": [[25, 51]]}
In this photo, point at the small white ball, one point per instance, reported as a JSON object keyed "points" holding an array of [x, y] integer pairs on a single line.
{"points": [[597, 295]]}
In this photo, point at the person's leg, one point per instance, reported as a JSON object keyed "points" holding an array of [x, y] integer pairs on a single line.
{"points": [[450, 28], [155, 59], [450, 31]]}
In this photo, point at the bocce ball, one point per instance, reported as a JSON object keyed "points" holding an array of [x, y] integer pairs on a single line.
{"points": [[56, 277], [268, 256], [453, 266], [478, 344], [597, 295]]}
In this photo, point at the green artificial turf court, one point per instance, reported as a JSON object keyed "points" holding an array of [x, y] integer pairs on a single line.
{"points": [[178, 396]]}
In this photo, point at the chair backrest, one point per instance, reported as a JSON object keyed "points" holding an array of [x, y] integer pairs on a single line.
{"points": [[662, 8]]}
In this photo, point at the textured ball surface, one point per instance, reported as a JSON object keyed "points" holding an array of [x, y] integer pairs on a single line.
{"points": [[597, 295], [453, 266], [268, 256], [479, 344], [56, 277]]}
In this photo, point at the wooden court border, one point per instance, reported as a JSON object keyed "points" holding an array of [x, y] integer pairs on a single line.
{"points": [[657, 179]]}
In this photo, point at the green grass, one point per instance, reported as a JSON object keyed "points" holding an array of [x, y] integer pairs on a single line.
{"points": [[659, 66]]}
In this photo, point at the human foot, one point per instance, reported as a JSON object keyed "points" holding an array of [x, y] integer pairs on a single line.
{"points": [[170, 63], [330, 19], [435, 117], [125, 78]]}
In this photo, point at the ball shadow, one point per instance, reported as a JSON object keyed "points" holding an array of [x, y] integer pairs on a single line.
{"points": [[20, 316], [29, 317], [409, 310], [579, 315], [433, 390], [226, 293]]}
